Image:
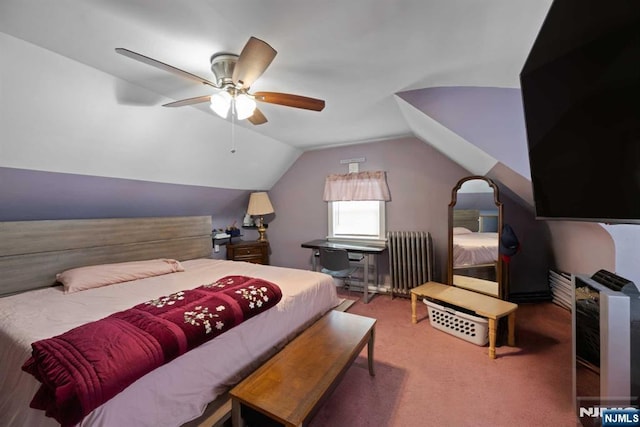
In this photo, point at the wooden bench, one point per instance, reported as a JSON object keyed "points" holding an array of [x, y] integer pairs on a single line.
{"points": [[290, 387], [483, 305]]}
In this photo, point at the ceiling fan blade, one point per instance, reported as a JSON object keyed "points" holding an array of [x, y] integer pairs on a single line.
{"points": [[189, 101], [257, 118], [166, 67], [289, 100], [254, 59]]}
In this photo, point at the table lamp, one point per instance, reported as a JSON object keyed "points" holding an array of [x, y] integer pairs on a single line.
{"points": [[260, 205]]}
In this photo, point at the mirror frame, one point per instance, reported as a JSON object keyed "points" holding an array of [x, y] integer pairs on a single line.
{"points": [[496, 198]]}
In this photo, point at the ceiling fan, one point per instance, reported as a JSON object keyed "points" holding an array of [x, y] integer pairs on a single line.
{"points": [[234, 75]]}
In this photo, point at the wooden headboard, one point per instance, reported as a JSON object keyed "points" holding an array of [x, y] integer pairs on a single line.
{"points": [[32, 252], [468, 218]]}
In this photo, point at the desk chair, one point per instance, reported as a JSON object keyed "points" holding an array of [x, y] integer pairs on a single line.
{"points": [[336, 263]]}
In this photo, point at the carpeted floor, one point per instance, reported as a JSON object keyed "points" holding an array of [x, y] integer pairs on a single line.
{"points": [[425, 377]]}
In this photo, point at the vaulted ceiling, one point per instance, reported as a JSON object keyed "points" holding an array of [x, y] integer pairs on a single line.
{"points": [[357, 55]]}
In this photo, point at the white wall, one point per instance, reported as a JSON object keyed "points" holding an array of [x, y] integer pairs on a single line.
{"points": [[627, 250], [61, 116]]}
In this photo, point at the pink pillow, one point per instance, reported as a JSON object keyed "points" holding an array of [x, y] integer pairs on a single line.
{"points": [[95, 276]]}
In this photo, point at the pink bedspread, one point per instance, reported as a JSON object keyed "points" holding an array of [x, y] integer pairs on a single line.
{"points": [[86, 366]]}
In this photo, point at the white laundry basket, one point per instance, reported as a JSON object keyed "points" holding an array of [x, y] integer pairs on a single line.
{"points": [[462, 325]]}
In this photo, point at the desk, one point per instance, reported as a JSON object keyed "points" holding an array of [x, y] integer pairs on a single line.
{"points": [[362, 248]]}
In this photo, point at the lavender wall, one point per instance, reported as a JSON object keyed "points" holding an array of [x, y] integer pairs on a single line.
{"points": [[420, 180], [493, 120], [35, 195]]}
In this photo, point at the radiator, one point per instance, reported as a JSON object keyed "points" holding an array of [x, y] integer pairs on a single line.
{"points": [[410, 260]]}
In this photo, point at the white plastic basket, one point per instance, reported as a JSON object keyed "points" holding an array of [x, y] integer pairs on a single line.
{"points": [[462, 325]]}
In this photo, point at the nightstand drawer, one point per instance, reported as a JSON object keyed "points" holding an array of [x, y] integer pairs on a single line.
{"points": [[248, 251], [256, 252]]}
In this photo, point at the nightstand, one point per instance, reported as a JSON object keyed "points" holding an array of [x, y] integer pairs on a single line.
{"points": [[253, 251]]}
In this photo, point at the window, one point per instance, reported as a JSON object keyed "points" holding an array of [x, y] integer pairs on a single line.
{"points": [[357, 220], [357, 205]]}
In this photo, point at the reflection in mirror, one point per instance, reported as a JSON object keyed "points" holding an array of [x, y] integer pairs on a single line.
{"points": [[475, 221]]}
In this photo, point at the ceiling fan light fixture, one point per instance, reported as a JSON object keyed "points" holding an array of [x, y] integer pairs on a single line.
{"points": [[220, 103], [234, 75], [245, 106]]}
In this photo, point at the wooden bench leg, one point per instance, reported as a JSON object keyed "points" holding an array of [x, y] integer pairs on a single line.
{"points": [[492, 337], [414, 300], [370, 351], [512, 329]]}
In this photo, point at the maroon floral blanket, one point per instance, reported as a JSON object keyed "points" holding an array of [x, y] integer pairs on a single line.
{"points": [[86, 366]]}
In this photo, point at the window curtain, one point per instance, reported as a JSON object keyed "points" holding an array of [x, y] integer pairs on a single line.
{"points": [[357, 186]]}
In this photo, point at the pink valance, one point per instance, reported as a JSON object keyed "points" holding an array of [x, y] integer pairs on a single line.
{"points": [[356, 186]]}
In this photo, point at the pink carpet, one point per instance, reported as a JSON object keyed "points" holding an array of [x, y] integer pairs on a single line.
{"points": [[425, 377]]}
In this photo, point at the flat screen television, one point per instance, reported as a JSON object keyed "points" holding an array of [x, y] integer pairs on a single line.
{"points": [[581, 98]]}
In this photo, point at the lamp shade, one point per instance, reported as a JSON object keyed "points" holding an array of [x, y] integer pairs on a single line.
{"points": [[220, 103], [245, 106], [259, 204]]}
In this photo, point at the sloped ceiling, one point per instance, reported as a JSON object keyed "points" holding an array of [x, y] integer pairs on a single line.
{"points": [[482, 129], [356, 55], [490, 118]]}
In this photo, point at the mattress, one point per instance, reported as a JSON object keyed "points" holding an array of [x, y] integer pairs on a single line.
{"points": [[474, 249], [180, 390]]}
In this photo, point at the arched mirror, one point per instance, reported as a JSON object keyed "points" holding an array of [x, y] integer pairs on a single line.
{"points": [[475, 223]]}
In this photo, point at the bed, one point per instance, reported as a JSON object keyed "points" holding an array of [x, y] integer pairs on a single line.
{"points": [[471, 247], [474, 252], [177, 393]]}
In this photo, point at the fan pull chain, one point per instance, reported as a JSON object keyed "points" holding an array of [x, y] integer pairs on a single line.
{"points": [[233, 126]]}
